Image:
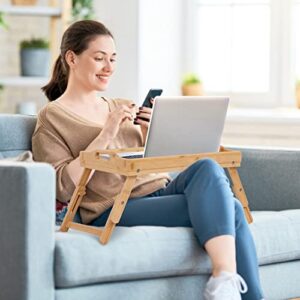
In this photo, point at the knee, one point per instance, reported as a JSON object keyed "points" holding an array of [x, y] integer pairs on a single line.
{"points": [[207, 163], [209, 167]]}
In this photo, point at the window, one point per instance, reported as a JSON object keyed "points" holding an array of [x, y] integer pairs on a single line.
{"points": [[296, 37], [248, 49]]}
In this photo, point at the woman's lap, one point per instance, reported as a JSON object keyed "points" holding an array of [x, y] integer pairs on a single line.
{"points": [[153, 210], [187, 197]]}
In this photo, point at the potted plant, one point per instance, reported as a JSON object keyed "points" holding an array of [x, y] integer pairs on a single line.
{"points": [[191, 85], [35, 57], [297, 92], [82, 10]]}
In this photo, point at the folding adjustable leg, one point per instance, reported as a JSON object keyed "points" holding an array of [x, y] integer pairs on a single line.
{"points": [[117, 209], [75, 200], [240, 192]]}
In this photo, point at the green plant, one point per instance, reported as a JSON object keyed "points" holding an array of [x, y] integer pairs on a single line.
{"points": [[82, 10], [34, 43], [2, 21], [190, 78]]}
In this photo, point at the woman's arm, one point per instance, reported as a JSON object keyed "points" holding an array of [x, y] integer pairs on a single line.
{"points": [[74, 168], [48, 146], [108, 133]]}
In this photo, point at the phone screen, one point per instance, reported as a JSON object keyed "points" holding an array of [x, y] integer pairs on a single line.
{"points": [[151, 94]]}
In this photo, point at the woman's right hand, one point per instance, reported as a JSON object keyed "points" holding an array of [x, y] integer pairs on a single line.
{"points": [[116, 118]]}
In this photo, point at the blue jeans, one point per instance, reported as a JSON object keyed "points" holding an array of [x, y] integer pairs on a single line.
{"points": [[199, 197]]}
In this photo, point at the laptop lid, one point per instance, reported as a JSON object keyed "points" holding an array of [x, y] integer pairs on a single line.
{"points": [[186, 125]]}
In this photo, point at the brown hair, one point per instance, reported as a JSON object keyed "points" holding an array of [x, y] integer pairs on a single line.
{"points": [[75, 38]]}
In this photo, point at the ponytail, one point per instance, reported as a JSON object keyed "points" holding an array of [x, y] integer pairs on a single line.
{"points": [[59, 81]]}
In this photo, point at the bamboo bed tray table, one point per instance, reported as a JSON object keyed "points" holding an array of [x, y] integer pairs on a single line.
{"points": [[109, 161]]}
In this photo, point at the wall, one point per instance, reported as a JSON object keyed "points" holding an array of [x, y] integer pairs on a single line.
{"points": [[160, 46], [121, 17], [148, 35]]}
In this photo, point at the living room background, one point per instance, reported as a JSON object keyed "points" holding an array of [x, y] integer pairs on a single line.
{"points": [[157, 44]]}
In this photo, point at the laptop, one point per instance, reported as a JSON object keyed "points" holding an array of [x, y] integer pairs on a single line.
{"points": [[184, 125]]}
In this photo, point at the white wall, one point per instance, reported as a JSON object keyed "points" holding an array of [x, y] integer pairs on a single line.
{"points": [[121, 17], [160, 46], [148, 35]]}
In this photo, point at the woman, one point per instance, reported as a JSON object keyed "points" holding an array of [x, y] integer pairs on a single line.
{"points": [[77, 119]]}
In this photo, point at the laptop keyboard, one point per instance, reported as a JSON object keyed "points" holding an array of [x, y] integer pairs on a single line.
{"points": [[133, 156]]}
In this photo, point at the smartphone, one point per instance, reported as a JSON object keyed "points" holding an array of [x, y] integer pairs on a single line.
{"points": [[151, 94]]}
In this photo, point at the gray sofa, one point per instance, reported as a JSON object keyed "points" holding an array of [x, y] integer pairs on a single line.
{"points": [[139, 263]]}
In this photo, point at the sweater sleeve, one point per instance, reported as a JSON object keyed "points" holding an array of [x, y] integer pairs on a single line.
{"points": [[50, 148]]}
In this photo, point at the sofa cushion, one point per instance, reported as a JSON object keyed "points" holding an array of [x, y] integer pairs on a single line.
{"points": [[271, 178], [276, 235], [149, 252], [15, 134], [25, 156], [132, 253]]}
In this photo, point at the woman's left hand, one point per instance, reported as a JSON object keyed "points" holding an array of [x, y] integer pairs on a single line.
{"points": [[143, 117]]}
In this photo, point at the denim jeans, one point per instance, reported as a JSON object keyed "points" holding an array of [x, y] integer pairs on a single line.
{"points": [[199, 197]]}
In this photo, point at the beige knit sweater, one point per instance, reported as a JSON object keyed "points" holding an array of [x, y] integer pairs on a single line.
{"points": [[59, 137]]}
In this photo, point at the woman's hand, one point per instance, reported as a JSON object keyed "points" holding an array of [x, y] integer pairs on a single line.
{"points": [[143, 117], [116, 118]]}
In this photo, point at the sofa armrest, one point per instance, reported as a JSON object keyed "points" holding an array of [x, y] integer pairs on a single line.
{"points": [[27, 224], [271, 178]]}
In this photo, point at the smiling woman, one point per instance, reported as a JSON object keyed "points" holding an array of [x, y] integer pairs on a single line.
{"points": [[91, 56], [76, 119], [93, 67]]}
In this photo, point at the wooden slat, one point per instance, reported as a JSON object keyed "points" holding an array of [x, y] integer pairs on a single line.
{"points": [[75, 200], [117, 209], [85, 228], [239, 192], [181, 161], [115, 151], [121, 200], [107, 232], [111, 165], [129, 167]]}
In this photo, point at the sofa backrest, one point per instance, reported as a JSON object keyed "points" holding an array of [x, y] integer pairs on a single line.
{"points": [[15, 134], [271, 178]]}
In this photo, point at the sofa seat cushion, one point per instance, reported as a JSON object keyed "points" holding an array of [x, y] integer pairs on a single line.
{"points": [[276, 235], [132, 253], [149, 252]]}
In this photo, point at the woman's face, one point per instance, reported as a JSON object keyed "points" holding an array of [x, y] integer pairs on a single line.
{"points": [[94, 66]]}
